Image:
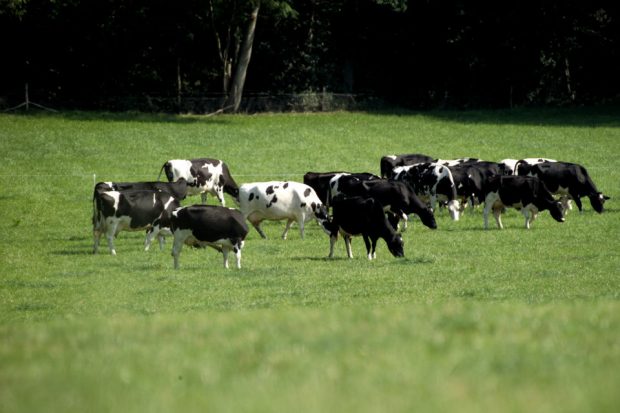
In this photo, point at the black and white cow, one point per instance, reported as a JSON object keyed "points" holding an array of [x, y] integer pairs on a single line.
{"points": [[133, 210], [456, 162], [569, 180], [203, 175], [319, 181], [389, 162], [525, 193], [340, 183], [278, 200], [397, 198], [177, 189], [362, 216], [221, 228], [431, 182], [522, 166]]}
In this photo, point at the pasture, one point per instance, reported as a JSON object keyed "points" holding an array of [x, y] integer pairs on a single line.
{"points": [[469, 321]]}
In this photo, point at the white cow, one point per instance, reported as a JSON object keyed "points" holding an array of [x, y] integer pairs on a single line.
{"points": [[278, 200]]}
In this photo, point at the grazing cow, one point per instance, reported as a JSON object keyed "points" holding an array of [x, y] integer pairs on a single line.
{"points": [[397, 198], [177, 189], [389, 162], [221, 228], [203, 176], [526, 193], [569, 180], [319, 181], [134, 210], [362, 216], [431, 182], [276, 201], [340, 183]]}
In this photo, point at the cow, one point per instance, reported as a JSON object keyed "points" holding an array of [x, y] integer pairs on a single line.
{"points": [[341, 182], [203, 175], [569, 180], [133, 210], [319, 181], [456, 162], [397, 198], [389, 162], [362, 216], [221, 228], [177, 189], [526, 193], [431, 182], [471, 178], [522, 166], [278, 200]]}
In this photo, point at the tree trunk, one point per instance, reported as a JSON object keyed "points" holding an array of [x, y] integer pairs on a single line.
{"points": [[245, 53]]}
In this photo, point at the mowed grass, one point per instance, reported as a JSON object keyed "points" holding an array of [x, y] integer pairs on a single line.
{"points": [[469, 321]]}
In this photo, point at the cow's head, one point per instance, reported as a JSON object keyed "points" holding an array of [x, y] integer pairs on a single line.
{"points": [[557, 211], [597, 201], [396, 246], [428, 218]]}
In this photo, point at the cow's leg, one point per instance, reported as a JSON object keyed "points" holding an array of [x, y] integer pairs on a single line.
{"points": [[287, 227], [332, 242], [162, 241], [225, 251], [373, 244], [203, 197], [237, 250], [256, 224], [347, 244], [110, 234], [97, 237], [150, 235], [497, 212], [301, 222], [368, 247], [487, 209], [177, 246], [526, 213], [577, 200]]}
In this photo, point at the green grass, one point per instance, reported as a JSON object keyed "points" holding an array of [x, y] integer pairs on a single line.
{"points": [[469, 321]]}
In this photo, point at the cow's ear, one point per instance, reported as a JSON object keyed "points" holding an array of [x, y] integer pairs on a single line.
{"points": [[606, 198]]}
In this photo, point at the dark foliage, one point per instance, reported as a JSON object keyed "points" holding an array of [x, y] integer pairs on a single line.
{"points": [[157, 55]]}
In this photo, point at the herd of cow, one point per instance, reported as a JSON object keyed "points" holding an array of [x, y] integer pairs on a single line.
{"points": [[361, 203]]}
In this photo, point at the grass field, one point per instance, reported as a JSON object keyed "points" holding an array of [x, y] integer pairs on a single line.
{"points": [[469, 321]]}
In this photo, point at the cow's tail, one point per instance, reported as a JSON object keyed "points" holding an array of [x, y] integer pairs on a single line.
{"points": [[161, 170]]}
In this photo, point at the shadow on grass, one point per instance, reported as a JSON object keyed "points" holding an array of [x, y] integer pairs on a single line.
{"points": [[591, 116], [139, 117]]}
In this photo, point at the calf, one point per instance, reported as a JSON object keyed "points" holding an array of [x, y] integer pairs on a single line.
{"points": [[203, 175], [397, 197], [221, 228], [177, 189], [569, 180], [526, 193], [389, 162], [365, 217], [276, 201], [431, 182], [133, 210]]}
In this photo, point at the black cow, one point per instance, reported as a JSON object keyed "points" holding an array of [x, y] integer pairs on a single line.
{"points": [[134, 210], [397, 198], [567, 179], [221, 228], [526, 193], [389, 162], [470, 179], [365, 217], [203, 175], [177, 189]]}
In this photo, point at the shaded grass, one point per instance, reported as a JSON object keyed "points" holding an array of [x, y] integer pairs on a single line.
{"points": [[470, 320]]}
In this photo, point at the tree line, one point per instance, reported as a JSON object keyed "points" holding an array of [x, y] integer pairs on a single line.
{"points": [[416, 53]]}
